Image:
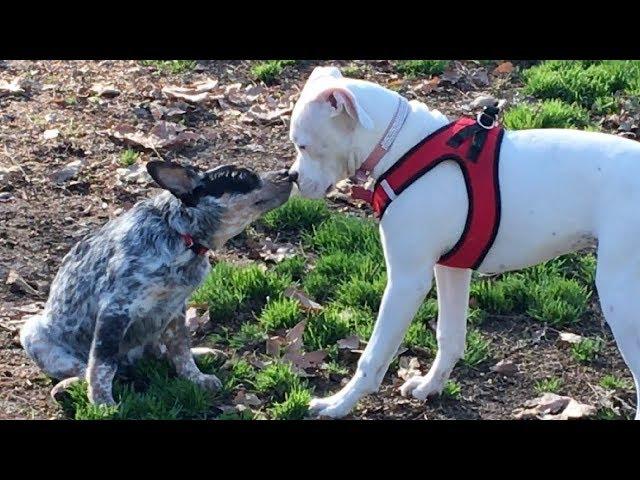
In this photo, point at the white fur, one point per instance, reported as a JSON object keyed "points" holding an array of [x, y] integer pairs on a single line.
{"points": [[561, 191]]}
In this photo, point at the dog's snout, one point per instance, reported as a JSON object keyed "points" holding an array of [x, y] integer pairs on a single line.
{"points": [[293, 175]]}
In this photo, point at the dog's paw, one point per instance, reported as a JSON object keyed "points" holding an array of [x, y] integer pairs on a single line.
{"points": [[332, 407], [209, 382], [421, 387], [59, 392]]}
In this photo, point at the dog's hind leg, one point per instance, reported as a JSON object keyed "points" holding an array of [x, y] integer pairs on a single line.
{"points": [[618, 284], [54, 359], [453, 300]]}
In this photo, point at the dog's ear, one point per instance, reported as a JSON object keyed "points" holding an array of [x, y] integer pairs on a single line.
{"points": [[341, 99], [179, 180]]}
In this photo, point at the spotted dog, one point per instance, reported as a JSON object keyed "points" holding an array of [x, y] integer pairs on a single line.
{"points": [[121, 292]]}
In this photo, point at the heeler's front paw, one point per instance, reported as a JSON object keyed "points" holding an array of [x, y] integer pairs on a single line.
{"points": [[100, 396]]}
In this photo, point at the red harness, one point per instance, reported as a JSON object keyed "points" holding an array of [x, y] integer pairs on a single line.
{"points": [[477, 151]]}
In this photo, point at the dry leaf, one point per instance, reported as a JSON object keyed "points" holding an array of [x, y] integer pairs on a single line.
{"points": [[195, 321], [506, 67], [273, 345], [13, 88], [350, 343], [428, 86], [247, 399], [409, 367], [106, 91], [194, 93], [505, 367], [260, 114], [17, 283], [451, 76], [570, 338], [162, 135], [305, 302], [555, 407], [51, 134], [69, 171]]}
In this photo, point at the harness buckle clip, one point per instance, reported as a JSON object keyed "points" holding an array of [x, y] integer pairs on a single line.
{"points": [[494, 121]]}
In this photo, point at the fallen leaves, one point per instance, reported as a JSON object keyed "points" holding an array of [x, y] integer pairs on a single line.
{"points": [[305, 302], [163, 135], [136, 173], [11, 88], [51, 134], [570, 338], [505, 367], [104, 90], [195, 93], [66, 173], [409, 367], [351, 342], [551, 406], [503, 68], [290, 349], [17, 284]]}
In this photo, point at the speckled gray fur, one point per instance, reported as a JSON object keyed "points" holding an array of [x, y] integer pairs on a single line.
{"points": [[121, 291]]}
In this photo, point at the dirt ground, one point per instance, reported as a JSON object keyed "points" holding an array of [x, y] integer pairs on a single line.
{"points": [[43, 213]]}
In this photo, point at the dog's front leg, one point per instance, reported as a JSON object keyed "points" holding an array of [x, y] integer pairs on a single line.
{"points": [[453, 299], [104, 354], [176, 339], [405, 290]]}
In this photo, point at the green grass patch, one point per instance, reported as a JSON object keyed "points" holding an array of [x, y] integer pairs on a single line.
{"points": [[280, 313], [590, 84], [452, 390], [548, 385], [351, 235], [294, 407], [298, 214], [417, 68], [547, 114], [326, 328], [613, 382], [294, 267], [587, 349], [161, 395], [268, 71], [128, 157], [277, 380], [558, 301], [477, 349], [171, 66]]}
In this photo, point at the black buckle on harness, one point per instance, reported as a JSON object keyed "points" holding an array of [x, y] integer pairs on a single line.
{"points": [[485, 121]]}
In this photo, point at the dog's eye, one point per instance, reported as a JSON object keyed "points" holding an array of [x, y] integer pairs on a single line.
{"points": [[302, 147]]}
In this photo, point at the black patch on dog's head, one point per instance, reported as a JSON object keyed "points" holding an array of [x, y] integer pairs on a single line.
{"points": [[227, 179], [190, 185]]}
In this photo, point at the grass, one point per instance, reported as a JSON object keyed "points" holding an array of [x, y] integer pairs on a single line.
{"points": [[548, 385], [452, 390], [547, 114], [477, 349], [613, 382], [587, 349], [418, 68], [268, 71], [128, 157], [347, 276], [171, 66], [297, 214]]}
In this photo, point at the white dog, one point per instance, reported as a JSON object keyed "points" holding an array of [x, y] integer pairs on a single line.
{"points": [[561, 191]]}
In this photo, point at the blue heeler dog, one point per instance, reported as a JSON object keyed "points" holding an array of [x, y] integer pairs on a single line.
{"points": [[121, 291]]}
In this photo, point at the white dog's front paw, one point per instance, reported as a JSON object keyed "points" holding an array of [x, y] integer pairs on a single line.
{"points": [[421, 387], [333, 407]]}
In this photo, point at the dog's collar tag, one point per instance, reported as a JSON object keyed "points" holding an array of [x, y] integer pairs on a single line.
{"points": [[191, 244]]}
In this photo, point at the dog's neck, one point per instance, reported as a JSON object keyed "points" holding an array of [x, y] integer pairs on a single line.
{"points": [[420, 122], [201, 224]]}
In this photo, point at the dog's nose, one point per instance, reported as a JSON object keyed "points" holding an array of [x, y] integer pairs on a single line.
{"points": [[293, 176]]}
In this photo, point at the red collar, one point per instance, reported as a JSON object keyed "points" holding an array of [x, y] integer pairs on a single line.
{"points": [[198, 248]]}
